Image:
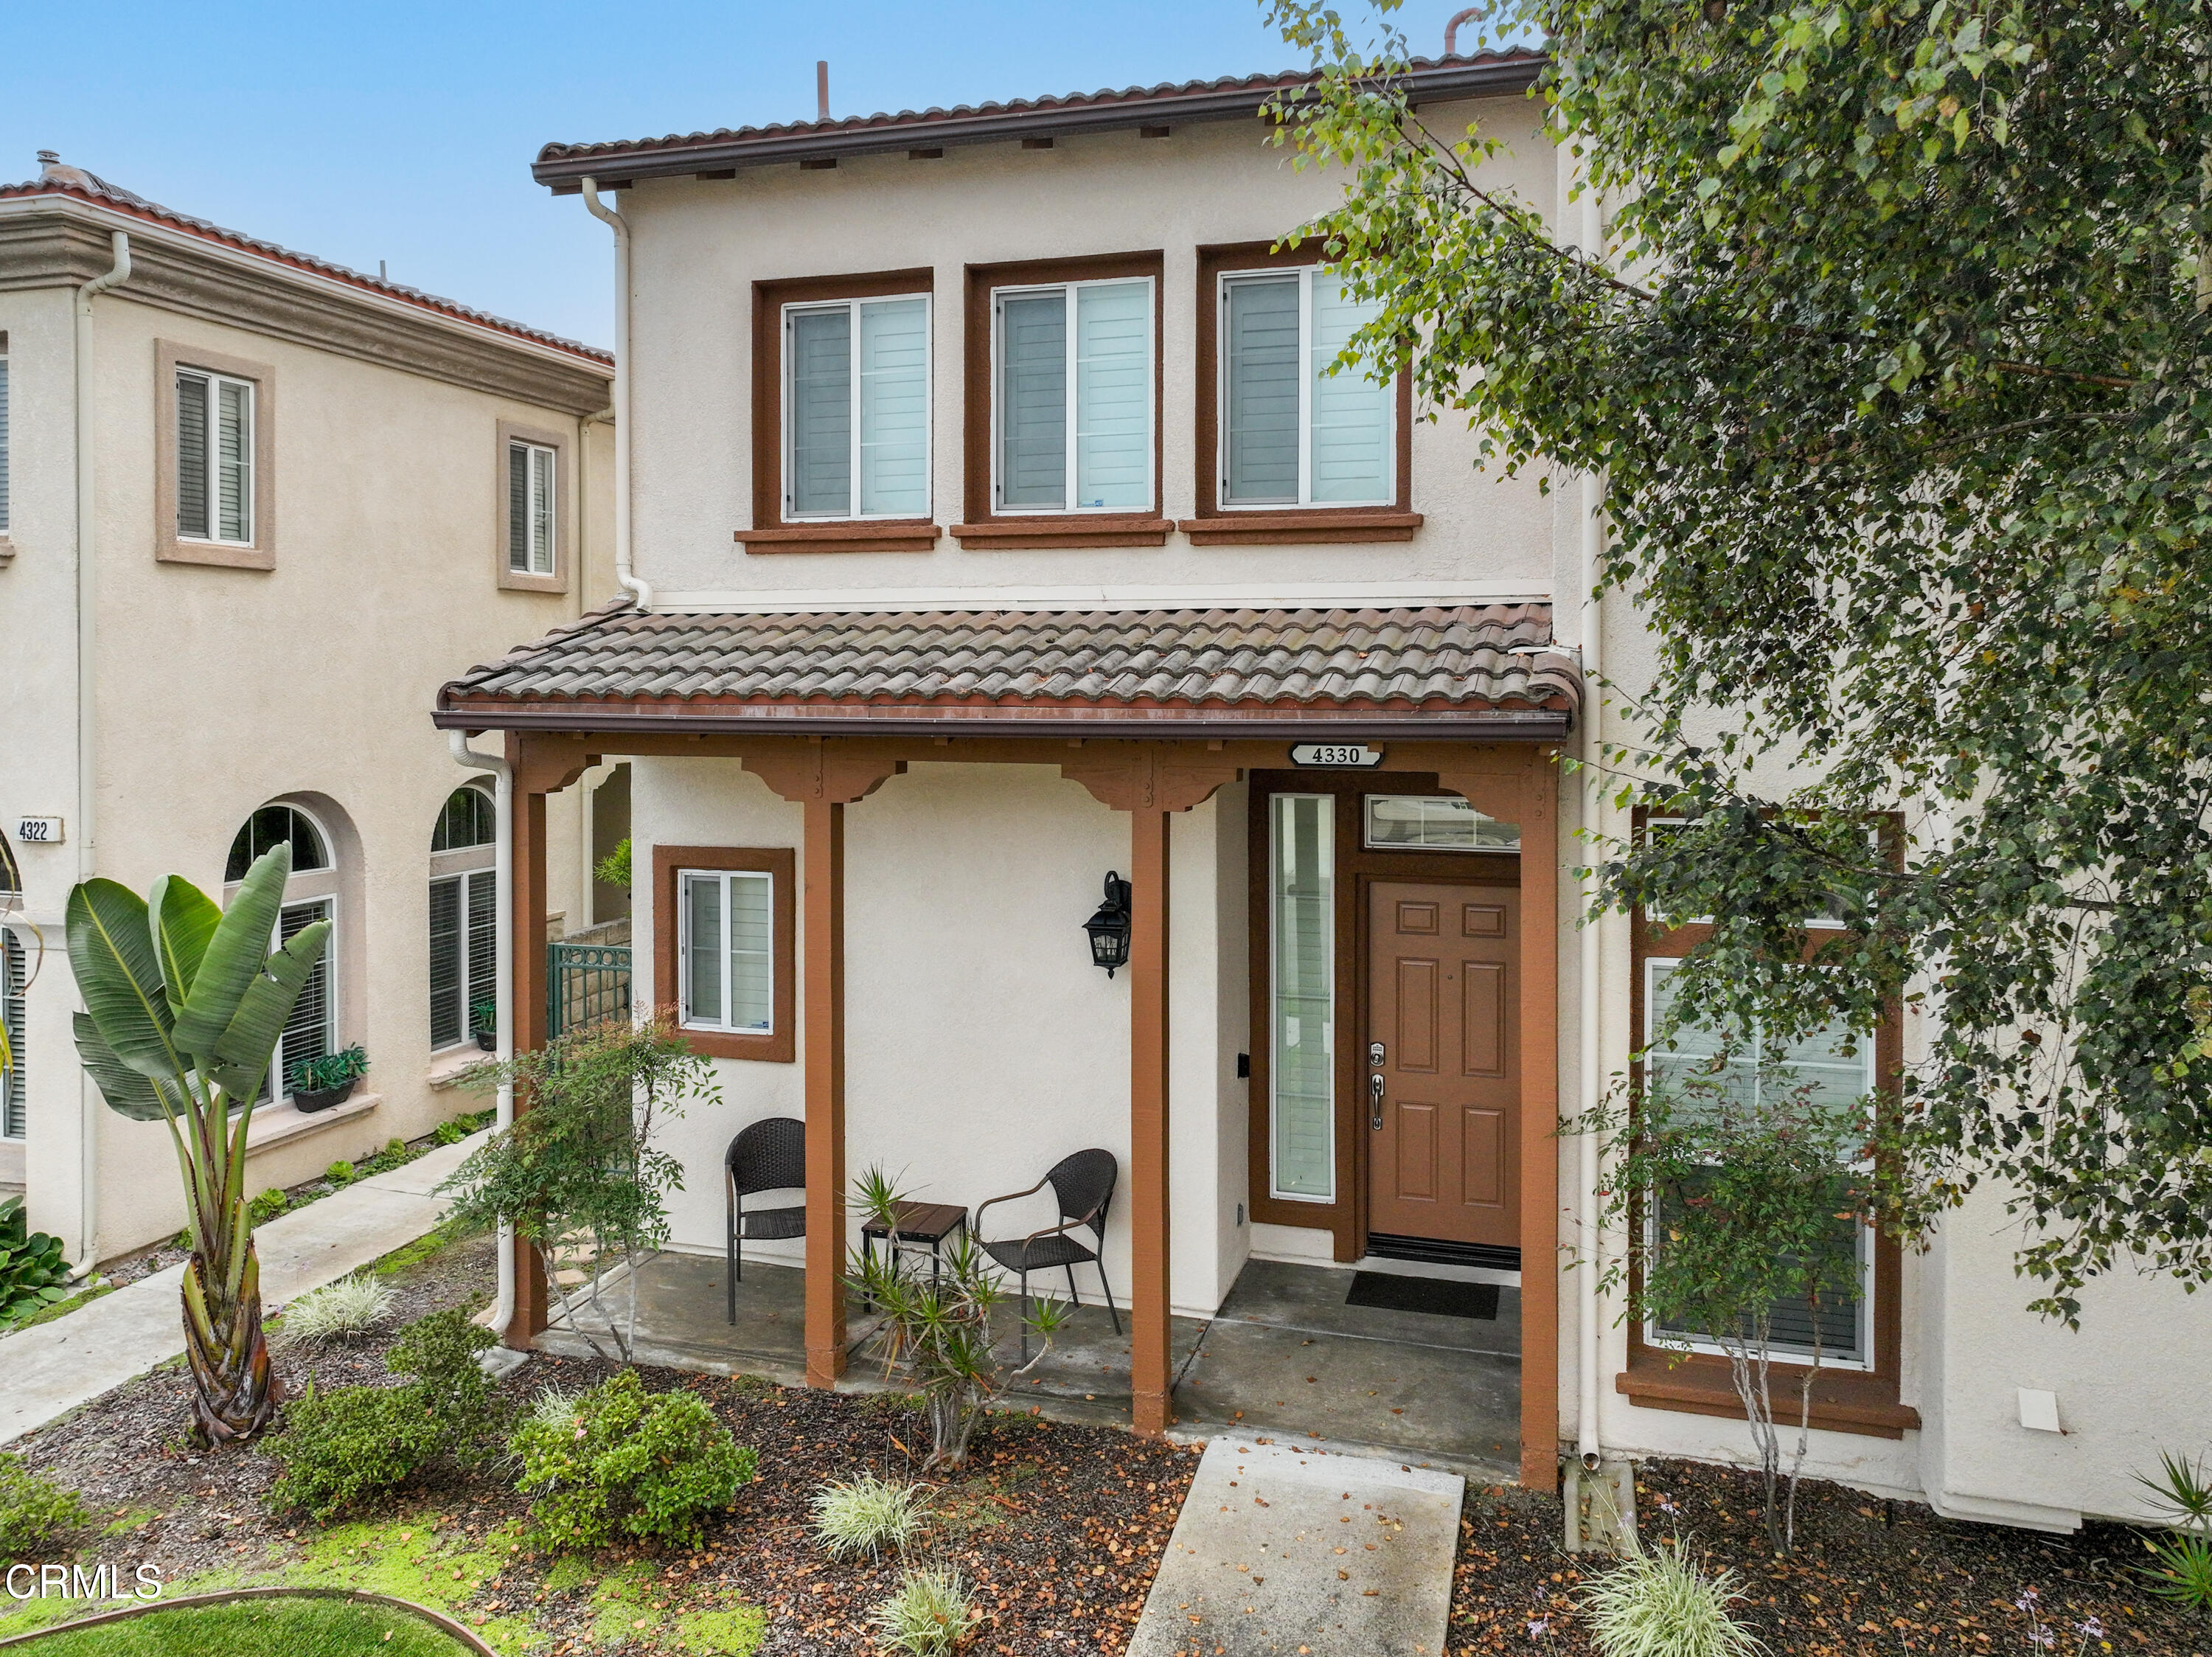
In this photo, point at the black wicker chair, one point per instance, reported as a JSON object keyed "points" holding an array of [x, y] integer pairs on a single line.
{"points": [[769, 1155], [1084, 1185]]}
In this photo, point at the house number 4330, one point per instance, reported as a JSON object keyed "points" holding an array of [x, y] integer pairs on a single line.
{"points": [[39, 830], [1335, 755]]}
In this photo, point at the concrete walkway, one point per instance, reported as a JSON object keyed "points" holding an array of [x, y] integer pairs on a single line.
{"points": [[55, 1366], [1281, 1549]]}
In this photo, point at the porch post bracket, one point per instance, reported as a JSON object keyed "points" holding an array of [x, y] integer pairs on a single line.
{"points": [[547, 761], [1150, 775], [826, 769]]}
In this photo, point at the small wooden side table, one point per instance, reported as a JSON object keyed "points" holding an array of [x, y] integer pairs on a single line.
{"points": [[918, 1224]]}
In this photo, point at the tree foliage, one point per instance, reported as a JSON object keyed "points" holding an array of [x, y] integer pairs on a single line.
{"points": [[1895, 362]]}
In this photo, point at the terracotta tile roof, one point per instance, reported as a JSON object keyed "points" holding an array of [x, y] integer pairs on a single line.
{"points": [[75, 182], [1231, 97], [1422, 666]]}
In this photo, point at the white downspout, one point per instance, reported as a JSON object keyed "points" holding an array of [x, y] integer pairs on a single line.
{"points": [[1587, 1321], [88, 860], [625, 571], [502, 976]]}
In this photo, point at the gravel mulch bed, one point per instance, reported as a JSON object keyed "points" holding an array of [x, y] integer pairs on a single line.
{"points": [[1868, 1577], [1055, 1528]]}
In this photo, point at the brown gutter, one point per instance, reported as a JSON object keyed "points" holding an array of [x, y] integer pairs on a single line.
{"points": [[1321, 724], [614, 166]]}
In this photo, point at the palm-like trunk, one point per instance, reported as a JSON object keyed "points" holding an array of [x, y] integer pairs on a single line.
{"points": [[235, 1389]]}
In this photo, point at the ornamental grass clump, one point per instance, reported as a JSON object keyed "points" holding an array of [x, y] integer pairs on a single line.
{"points": [[345, 1310], [624, 1463], [868, 1515], [1659, 1603], [927, 1615]]}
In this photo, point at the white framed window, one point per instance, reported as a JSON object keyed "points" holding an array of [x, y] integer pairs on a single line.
{"points": [[215, 458], [1292, 434], [1072, 397], [727, 950], [1423, 822], [532, 477], [1838, 1068], [4, 435], [856, 375], [463, 952], [1302, 997]]}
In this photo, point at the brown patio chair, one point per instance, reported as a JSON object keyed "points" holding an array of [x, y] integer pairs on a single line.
{"points": [[769, 1155], [1084, 1185]]}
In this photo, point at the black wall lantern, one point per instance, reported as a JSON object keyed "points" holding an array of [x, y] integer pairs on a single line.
{"points": [[1109, 927]]}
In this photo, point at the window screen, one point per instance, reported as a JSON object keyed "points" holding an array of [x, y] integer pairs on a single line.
{"points": [[1301, 892], [856, 409], [1074, 402], [1293, 433]]}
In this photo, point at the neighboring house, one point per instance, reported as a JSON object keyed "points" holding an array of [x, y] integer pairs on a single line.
{"points": [[1002, 532], [314, 493]]}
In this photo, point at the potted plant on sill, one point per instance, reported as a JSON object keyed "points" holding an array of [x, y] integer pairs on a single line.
{"points": [[483, 1023], [319, 1083]]}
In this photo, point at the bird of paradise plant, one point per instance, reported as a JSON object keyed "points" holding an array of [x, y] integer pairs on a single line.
{"points": [[184, 1002]]}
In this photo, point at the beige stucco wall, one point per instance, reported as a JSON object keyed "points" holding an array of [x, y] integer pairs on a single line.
{"points": [[218, 690]]}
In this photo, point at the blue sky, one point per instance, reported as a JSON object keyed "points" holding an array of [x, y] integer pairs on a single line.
{"points": [[404, 131]]}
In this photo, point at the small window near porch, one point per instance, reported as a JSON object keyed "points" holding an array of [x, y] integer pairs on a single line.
{"points": [[1419, 822], [1302, 997], [728, 950]]}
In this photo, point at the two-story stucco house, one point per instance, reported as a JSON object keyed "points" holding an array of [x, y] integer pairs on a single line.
{"points": [[253, 509], [1000, 530]]}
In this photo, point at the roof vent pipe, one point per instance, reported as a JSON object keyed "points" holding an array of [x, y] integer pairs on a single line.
{"points": [[821, 88], [1451, 29]]}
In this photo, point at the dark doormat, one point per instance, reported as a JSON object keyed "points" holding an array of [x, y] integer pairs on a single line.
{"points": [[1389, 1293]]}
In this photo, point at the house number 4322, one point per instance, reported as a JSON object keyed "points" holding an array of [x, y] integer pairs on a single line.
{"points": [[39, 830]]}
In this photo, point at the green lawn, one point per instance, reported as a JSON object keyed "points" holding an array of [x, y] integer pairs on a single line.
{"points": [[256, 1627]]}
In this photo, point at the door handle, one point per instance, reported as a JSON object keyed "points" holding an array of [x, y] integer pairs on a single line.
{"points": [[1375, 1101]]}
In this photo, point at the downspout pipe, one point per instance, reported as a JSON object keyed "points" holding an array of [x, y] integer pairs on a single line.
{"points": [[87, 857], [625, 570], [1589, 1369], [502, 975]]}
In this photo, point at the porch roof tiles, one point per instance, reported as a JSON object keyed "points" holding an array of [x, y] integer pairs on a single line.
{"points": [[1435, 669]]}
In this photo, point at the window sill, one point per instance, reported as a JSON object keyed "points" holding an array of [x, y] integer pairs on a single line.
{"points": [[6, 549], [1307, 526], [446, 1068], [215, 554], [859, 535], [775, 1048], [279, 1124], [1063, 529], [1844, 1400]]}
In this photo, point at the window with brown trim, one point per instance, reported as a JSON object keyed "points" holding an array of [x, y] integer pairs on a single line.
{"points": [[723, 920], [1856, 1391], [1061, 440], [842, 372], [1283, 452]]}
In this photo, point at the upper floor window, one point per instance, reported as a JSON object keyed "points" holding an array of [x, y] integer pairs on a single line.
{"points": [[215, 458], [856, 408], [1292, 434], [532, 472], [1072, 397]]}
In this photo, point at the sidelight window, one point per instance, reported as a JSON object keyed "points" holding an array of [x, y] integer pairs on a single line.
{"points": [[1302, 997]]}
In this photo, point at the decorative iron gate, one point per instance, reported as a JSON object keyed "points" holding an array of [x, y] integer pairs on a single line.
{"points": [[585, 983]]}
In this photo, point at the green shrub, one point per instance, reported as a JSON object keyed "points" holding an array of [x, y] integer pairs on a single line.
{"points": [[449, 1133], [1660, 1604], [33, 1274], [867, 1515], [266, 1207], [927, 1615], [340, 1174], [36, 1514], [2182, 1494], [340, 1447], [613, 869], [626, 1462]]}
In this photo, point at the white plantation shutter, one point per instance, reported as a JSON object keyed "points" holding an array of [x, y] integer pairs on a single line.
{"points": [[3, 441], [1350, 456], [819, 408], [308, 1031], [1114, 395], [1033, 399], [482, 978], [541, 511], [192, 456], [893, 396], [12, 1119], [234, 460], [448, 1017], [518, 508], [1261, 393], [752, 980]]}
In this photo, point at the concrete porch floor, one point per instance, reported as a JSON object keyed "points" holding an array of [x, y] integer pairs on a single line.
{"points": [[1285, 1355]]}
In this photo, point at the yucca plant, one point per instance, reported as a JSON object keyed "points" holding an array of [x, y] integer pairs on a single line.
{"points": [[2182, 1494], [184, 1002]]}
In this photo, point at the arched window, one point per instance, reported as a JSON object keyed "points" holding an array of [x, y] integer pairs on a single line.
{"points": [[312, 1029], [464, 916], [272, 826]]}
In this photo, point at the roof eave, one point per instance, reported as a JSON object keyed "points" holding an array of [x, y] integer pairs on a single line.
{"points": [[564, 175]]}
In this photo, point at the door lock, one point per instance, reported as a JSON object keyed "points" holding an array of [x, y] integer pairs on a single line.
{"points": [[1375, 1101], [1375, 1054]]}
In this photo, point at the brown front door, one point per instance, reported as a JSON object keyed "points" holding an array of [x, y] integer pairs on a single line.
{"points": [[1443, 1125]]}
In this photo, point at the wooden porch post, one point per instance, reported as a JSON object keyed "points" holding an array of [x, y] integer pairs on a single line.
{"points": [[1149, 1375], [526, 919], [823, 925]]}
